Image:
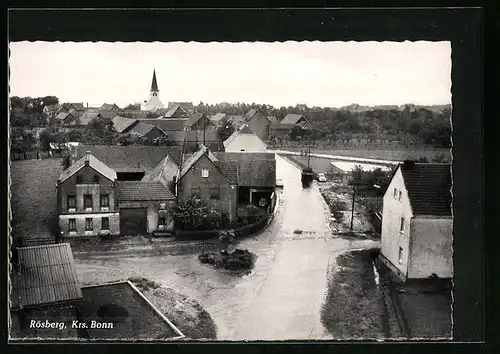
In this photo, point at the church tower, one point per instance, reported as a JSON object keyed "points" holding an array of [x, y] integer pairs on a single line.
{"points": [[154, 102]]}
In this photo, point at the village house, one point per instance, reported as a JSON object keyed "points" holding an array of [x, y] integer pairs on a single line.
{"points": [[229, 181], [77, 109], [199, 122], [148, 131], [123, 125], [137, 200], [258, 123], [68, 119], [188, 107], [168, 125], [52, 110], [417, 221], [218, 118], [88, 117], [47, 299], [282, 128], [244, 140], [176, 112]]}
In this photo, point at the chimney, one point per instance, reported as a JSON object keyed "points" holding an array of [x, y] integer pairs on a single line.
{"points": [[87, 105], [408, 164], [87, 157]]}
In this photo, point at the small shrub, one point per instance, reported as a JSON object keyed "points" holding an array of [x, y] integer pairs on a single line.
{"points": [[298, 232], [237, 260]]}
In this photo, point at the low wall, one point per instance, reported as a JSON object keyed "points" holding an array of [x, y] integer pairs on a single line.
{"points": [[241, 231]]}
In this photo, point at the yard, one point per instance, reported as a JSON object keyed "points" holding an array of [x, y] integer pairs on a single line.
{"points": [[34, 198], [354, 306]]}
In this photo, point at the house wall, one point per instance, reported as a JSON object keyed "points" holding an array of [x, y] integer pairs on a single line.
{"points": [[69, 187], [193, 179], [431, 249], [259, 124], [203, 123], [153, 209], [393, 210], [247, 143], [114, 224]]}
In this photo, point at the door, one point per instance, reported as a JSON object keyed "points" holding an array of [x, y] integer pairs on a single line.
{"points": [[133, 221]]}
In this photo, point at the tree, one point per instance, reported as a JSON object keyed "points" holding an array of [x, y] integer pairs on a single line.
{"points": [[133, 107], [225, 129], [196, 214], [356, 176]]}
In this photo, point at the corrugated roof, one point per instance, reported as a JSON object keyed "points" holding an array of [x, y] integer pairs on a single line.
{"points": [[131, 157], [121, 124], [291, 118], [93, 163], [143, 191], [429, 187], [45, 274]]}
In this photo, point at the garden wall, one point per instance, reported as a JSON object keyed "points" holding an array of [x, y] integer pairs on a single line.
{"points": [[242, 231]]}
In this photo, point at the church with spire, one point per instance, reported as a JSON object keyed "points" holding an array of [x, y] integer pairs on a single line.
{"points": [[154, 102]]}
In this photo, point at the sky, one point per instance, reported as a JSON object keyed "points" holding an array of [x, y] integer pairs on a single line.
{"points": [[325, 74]]}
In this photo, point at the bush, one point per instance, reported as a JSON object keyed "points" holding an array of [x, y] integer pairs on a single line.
{"points": [[237, 260]]}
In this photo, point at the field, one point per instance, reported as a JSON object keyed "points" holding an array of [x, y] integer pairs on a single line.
{"points": [[34, 198], [389, 154]]}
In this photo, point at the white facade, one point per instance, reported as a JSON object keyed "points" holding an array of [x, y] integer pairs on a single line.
{"points": [[416, 246], [154, 102], [246, 143]]}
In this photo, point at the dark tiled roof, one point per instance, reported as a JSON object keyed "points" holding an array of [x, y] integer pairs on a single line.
{"points": [[46, 274], [176, 112], [291, 118], [130, 158], [143, 191], [193, 136], [254, 169], [107, 114], [141, 129], [187, 106], [121, 124], [429, 188], [229, 169], [88, 117], [194, 119], [282, 126], [109, 107], [170, 124], [154, 84]]}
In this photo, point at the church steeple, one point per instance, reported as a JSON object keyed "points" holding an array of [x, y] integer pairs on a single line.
{"points": [[154, 85]]}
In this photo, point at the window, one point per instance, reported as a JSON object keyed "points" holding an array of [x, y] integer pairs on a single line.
{"points": [[79, 180], [71, 202], [204, 173], [87, 201], [72, 225], [242, 150], [400, 255], [196, 192], [402, 226], [96, 178], [214, 193], [162, 220], [105, 224], [104, 200], [89, 224], [400, 195], [395, 193]]}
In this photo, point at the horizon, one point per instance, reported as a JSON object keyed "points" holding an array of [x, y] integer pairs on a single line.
{"points": [[321, 74]]}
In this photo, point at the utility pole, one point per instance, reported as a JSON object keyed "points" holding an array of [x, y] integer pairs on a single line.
{"points": [[309, 156], [352, 209]]}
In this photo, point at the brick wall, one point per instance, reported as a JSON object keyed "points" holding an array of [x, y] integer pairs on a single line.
{"points": [[114, 224]]}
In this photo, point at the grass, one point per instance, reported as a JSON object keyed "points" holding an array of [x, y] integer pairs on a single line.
{"points": [[354, 306], [34, 198], [186, 313]]}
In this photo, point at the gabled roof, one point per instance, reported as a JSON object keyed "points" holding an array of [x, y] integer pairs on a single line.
{"points": [[107, 114], [250, 114], [171, 124], [87, 117], [143, 191], [429, 187], [292, 118], [217, 117], [93, 163], [131, 157], [195, 157], [108, 107], [63, 115], [254, 169], [194, 119], [45, 274], [176, 111], [229, 169], [78, 106], [164, 171], [52, 107], [242, 130], [142, 129], [122, 124], [187, 106]]}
